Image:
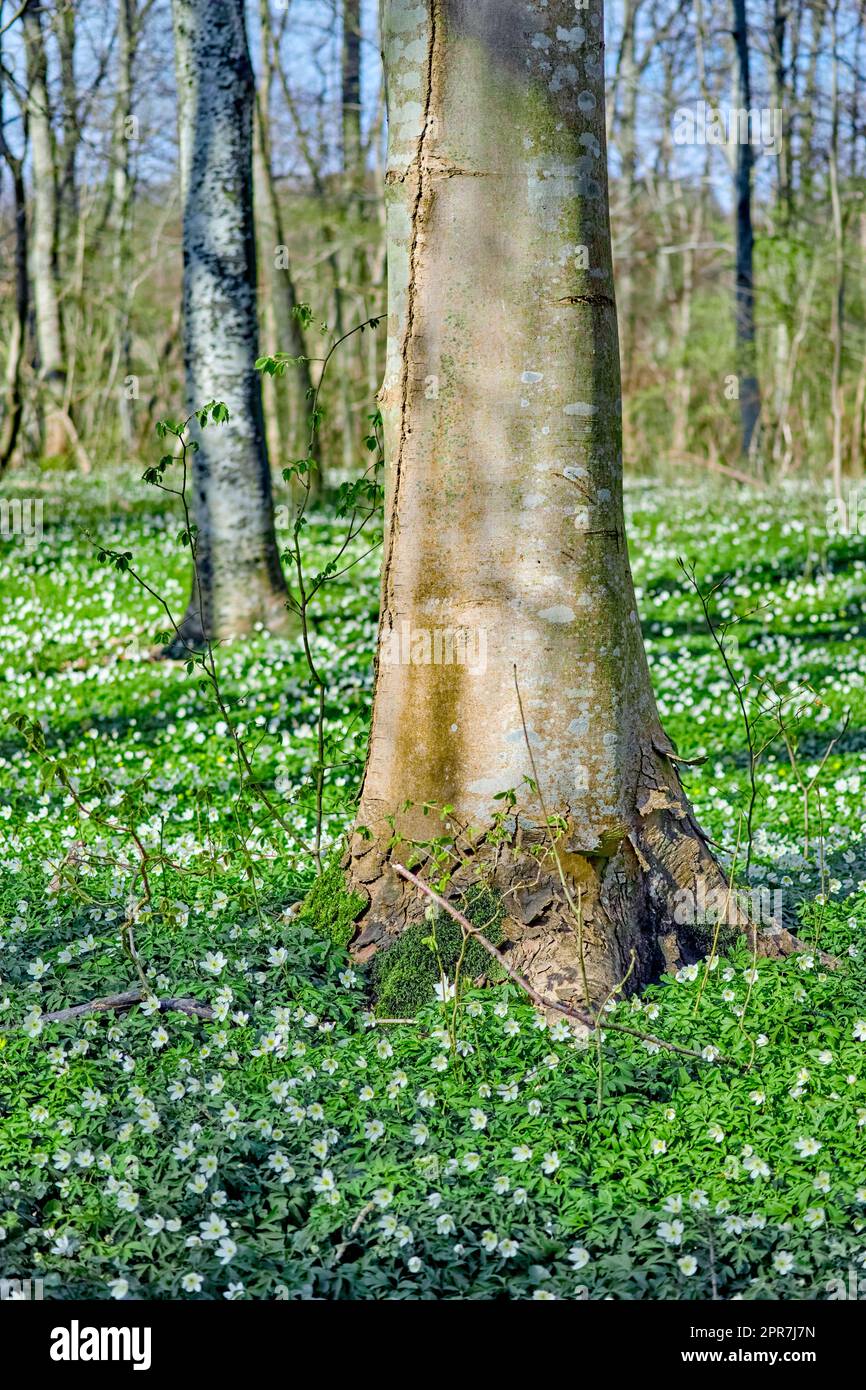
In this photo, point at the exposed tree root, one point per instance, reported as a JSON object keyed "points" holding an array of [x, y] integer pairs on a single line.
{"points": [[583, 921], [582, 1016]]}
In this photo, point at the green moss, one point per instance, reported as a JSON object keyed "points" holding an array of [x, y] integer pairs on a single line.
{"points": [[405, 974], [712, 937], [330, 908]]}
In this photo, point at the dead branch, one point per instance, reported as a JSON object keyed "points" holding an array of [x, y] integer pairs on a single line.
{"points": [[737, 474], [194, 1007]]}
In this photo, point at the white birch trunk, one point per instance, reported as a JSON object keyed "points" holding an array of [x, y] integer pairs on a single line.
{"points": [[238, 563]]}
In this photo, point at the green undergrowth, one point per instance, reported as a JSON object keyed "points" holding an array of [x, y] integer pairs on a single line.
{"points": [[295, 1145], [294, 1148]]}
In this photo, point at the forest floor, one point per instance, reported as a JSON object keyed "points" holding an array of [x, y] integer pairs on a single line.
{"points": [[294, 1147]]}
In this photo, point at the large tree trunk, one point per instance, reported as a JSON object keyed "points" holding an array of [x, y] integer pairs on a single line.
{"points": [[504, 509], [239, 581], [43, 238], [750, 395]]}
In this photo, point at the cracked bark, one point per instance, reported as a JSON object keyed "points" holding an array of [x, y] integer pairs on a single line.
{"points": [[418, 172], [502, 391]]}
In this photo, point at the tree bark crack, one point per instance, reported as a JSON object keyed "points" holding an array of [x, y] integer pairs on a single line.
{"points": [[596, 300], [422, 195], [436, 168]]}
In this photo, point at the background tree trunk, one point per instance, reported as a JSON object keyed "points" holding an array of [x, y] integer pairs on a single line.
{"points": [[43, 240], [290, 399], [14, 399], [504, 518], [750, 395], [238, 563], [628, 146], [351, 95], [122, 197], [63, 19], [837, 317]]}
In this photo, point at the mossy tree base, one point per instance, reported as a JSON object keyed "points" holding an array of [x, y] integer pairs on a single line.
{"points": [[633, 893], [330, 907], [406, 974]]}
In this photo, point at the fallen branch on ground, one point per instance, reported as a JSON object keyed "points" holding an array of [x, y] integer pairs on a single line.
{"points": [[193, 1007]]}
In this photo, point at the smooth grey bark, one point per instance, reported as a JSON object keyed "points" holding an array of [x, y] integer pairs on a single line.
{"points": [[239, 581], [750, 394], [504, 516], [67, 172], [289, 401], [351, 93], [43, 237]]}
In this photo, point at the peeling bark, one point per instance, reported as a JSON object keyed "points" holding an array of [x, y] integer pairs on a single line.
{"points": [[504, 516]]}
